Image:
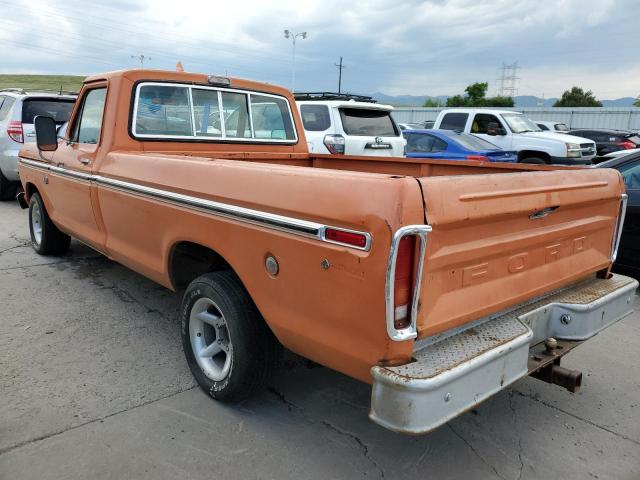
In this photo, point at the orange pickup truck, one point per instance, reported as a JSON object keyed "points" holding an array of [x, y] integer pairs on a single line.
{"points": [[438, 282]]}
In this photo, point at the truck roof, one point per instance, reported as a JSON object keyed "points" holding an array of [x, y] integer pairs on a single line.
{"points": [[347, 104], [140, 74], [479, 110]]}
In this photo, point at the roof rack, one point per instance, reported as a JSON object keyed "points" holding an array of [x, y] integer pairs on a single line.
{"points": [[14, 90], [22, 91], [332, 96]]}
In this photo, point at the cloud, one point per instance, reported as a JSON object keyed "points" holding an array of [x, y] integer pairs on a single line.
{"points": [[432, 47]]}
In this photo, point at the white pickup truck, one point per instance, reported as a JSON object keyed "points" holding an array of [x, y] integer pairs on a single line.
{"points": [[512, 130]]}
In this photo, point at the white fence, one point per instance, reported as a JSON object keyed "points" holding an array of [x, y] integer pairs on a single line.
{"points": [[620, 118]]}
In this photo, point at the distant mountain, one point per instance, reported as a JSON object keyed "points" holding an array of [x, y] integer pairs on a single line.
{"points": [[520, 100], [619, 102]]}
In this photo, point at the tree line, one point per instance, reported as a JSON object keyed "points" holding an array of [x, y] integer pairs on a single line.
{"points": [[476, 96]]}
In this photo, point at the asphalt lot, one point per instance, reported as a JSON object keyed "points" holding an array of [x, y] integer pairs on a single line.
{"points": [[93, 384]]}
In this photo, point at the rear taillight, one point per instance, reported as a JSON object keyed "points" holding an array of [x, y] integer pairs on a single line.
{"points": [[403, 285], [348, 238], [14, 130], [627, 144], [479, 158], [334, 143]]}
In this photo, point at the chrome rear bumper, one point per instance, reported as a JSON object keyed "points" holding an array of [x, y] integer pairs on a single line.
{"points": [[452, 374]]}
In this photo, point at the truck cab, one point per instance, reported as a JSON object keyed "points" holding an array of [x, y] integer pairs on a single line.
{"points": [[513, 130]]}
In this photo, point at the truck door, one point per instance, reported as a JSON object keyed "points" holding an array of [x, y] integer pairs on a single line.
{"points": [[70, 181], [480, 126]]}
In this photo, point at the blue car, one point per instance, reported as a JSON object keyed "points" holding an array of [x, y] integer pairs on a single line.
{"points": [[452, 145]]}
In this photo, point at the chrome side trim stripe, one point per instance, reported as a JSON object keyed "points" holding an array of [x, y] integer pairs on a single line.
{"points": [[247, 215], [302, 227]]}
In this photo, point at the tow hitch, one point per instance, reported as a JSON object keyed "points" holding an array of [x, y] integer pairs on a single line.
{"points": [[544, 364]]}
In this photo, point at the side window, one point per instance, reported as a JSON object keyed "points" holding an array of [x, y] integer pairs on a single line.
{"points": [[631, 175], [315, 118], [236, 115], [206, 113], [419, 143], [439, 145], [6, 107], [542, 126], [454, 121], [163, 110], [481, 122], [87, 127], [271, 118]]}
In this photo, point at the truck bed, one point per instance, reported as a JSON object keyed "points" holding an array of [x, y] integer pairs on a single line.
{"points": [[493, 239]]}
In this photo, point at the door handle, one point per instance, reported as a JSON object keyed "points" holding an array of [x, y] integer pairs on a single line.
{"points": [[85, 161]]}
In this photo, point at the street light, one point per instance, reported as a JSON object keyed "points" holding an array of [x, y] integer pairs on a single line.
{"points": [[289, 34]]}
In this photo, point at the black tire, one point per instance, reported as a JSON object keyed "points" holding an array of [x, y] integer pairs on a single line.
{"points": [[534, 160], [254, 354], [49, 240], [8, 189]]}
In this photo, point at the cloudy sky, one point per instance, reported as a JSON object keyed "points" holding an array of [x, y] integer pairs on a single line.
{"points": [[422, 48]]}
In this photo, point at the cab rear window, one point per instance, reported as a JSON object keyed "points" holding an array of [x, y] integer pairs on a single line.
{"points": [[59, 110], [363, 122], [170, 111]]}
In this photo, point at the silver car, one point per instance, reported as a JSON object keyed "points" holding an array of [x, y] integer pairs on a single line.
{"points": [[18, 108]]}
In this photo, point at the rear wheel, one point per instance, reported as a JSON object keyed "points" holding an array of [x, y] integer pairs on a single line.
{"points": [[46, 239], [229, 348], [8, 189]]}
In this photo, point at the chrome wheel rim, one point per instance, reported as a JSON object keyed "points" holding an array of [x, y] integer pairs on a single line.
{"points": [[210, 340], [36, 223]]}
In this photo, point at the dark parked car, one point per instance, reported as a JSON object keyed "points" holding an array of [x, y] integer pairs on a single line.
{"points": [[628, 259], [608, 141]]}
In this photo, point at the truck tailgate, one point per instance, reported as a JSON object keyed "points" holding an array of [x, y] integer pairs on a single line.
{"points": [[501, 239]]}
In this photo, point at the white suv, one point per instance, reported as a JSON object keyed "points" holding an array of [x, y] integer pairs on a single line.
{"points": [[349, 125], [17, 111]]}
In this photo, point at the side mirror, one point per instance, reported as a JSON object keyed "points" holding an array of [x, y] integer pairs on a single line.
{"points": [[494, 129], [46, 133]]}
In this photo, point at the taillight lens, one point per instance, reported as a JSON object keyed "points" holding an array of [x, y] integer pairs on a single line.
{"points": [[350, 238], [14, 130], [479, 158], [334, 143], [627, 144], [404, 281]]}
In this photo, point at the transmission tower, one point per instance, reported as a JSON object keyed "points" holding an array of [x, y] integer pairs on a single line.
{"points": [[141, 59], [507, 83]]}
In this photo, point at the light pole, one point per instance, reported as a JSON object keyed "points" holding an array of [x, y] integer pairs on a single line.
{"points": [[293, 36]]}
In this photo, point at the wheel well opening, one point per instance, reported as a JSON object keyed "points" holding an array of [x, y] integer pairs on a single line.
{"points": [[190, 260], [30, 189], [523, 154]]}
